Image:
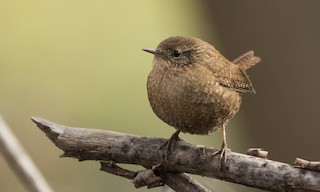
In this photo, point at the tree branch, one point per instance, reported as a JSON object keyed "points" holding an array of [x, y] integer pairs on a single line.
{"points": [[20, 162], [91, 144]]}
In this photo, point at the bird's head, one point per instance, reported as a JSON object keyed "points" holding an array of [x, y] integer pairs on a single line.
{"points": [[180, 50]]}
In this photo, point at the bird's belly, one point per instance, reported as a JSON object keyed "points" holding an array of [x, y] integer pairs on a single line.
{"points": [[195, 111]]}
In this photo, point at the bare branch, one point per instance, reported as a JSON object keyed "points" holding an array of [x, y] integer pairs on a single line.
{"points": [[258, 152], [91, 144], [155, 177], [304, 164], [180, 181], [112, 168], [20, 162]]}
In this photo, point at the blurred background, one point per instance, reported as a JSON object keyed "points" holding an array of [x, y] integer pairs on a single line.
{"points": [[79, 63]]}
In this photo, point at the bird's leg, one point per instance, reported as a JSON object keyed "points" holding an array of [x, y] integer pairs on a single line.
{"points": [[224, 148], [169, 144]]}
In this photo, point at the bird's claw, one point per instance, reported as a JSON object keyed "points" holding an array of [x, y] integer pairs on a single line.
{"points": [[223, 151], [169, 145]]}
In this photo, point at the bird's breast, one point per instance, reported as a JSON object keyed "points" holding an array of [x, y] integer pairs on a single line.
{"points": [[190, 99]]}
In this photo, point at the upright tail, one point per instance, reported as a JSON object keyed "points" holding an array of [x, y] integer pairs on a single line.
{"points": [[247, 60]]}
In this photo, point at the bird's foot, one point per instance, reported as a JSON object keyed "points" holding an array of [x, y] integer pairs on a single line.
{"points": [[223, 151], [169, 144]]}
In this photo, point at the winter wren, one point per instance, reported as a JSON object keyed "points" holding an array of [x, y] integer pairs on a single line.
{"points": [[194, 88]]}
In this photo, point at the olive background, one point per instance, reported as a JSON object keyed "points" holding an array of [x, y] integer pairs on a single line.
{"points": [[79, 63]]}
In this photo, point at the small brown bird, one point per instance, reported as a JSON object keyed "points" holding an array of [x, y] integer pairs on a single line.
{"points": [[194, 88]]}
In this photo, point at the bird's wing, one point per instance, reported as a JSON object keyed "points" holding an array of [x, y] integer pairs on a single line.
{"points": [[233, 74], [237, 80]]}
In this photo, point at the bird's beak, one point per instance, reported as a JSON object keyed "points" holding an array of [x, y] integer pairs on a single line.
{"points": [[152, 51]]}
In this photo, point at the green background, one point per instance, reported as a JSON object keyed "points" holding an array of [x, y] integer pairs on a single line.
{"points": [[79, 63]]}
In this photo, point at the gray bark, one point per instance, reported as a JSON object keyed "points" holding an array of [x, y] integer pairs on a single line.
{"points": [[91, 144]]}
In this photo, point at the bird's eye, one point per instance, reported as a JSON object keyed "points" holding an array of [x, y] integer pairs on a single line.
{"points": [[176, 53]]}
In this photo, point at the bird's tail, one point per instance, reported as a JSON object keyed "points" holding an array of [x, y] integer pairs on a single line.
{"points": [[247, 60]]}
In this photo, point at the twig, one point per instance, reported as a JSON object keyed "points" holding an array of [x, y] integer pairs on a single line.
{"points": [[258, 152], [181, 182], [112, 168], [304, 164], [155, 177], [91, 144], [20, 162]]}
